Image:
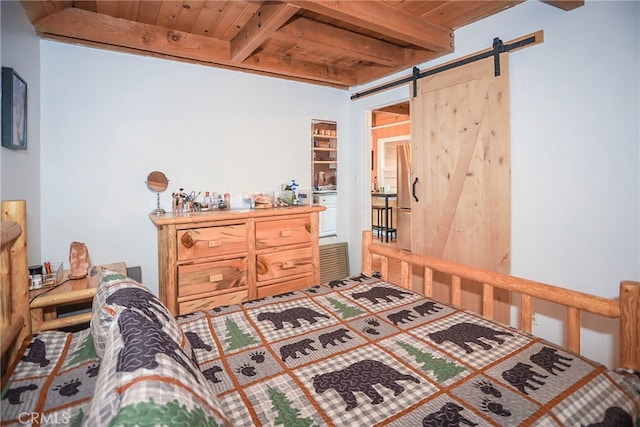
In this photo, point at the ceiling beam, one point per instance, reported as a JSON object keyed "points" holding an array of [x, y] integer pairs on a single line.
{"points": [[384, 19], [92, 29], [266, 21], [566, 5], [290, 66], [318, 37], [79, 24]]}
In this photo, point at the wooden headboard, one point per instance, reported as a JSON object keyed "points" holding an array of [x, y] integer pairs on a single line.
{"points": [[626, 308], [15, 322]]}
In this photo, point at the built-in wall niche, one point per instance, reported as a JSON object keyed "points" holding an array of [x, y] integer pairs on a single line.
{"points": [[324, 173]]}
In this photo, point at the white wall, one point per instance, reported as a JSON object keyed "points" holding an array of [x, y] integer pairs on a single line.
{"points": [[108, 119], [575, 148], [20, 170]]}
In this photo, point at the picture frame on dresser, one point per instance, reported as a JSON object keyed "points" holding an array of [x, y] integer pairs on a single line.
{"points": [[14, 110]]}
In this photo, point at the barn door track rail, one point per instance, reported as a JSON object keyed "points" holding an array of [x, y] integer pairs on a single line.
{"points": [[497, 48]]}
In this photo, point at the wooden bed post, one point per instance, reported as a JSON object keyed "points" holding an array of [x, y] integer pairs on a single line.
{"points": [[16, 211], [630, 325], [367, 256]]}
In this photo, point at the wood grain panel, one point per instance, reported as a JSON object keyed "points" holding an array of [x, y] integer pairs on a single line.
{"points": [[212, 276], [212, 241], [284, 263], [272, 234]]}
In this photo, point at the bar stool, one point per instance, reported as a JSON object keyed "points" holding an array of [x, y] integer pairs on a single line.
{"points": [[378, 213]]}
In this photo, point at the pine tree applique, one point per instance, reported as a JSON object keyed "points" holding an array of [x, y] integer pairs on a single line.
{"points": [[288, 415], [441, 368], [85, 351], [172, 413], [237, 338], [344, 309], [77, 421]]}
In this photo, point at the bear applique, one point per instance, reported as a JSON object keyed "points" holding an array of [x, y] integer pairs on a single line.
{"points": [[292, 316], [37, 353], [380, 293], [428, 307], [549, 360], [196, 342], [292, 350], [614, 416], [143, 341], [339, 335], [361, 376], [210, 374], [402, 316], [139, 299], [463, 333], [14, 395], [448, 415], [521, 376]]}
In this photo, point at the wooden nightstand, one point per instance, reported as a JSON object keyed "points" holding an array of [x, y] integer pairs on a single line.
{"points": [[46, 301]]}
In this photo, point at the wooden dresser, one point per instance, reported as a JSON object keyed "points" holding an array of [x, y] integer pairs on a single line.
{"points": [[221, 257]]}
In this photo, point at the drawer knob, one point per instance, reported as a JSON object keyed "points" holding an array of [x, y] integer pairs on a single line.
{"points": [[286, 233], [215, 278], [214, 243], [187, 240]]}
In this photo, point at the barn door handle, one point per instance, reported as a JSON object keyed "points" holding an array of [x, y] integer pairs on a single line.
{"points": [[413, 189]]}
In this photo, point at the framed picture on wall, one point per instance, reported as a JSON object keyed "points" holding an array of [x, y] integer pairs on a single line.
{"points": [[14, 110]]}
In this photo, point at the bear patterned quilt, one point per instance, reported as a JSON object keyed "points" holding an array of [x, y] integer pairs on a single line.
{"points": [[364, 352], [354, 352]]}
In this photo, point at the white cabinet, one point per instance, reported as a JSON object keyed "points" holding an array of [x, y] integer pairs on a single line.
{"points": [[329, 218]]}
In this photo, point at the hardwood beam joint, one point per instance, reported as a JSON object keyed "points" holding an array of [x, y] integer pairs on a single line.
{"points": [[262, 25], [385, 19], [322, 37]]}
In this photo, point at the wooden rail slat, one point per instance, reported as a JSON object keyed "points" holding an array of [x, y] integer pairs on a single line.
{"points": [[456, 291], [630, 325], [428, 282], [574, 325], [63, 322], [526, 313], [487, 300]]}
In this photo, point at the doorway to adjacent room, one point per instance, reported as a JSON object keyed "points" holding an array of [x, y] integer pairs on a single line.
{"points": [[390, 128]]}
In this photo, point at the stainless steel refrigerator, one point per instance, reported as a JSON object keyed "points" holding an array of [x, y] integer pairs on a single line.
{"points": [[404, 196]]}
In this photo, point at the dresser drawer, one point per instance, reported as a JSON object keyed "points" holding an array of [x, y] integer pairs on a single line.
{"points": [[212, 276], [286, 286], [272, 234], [212, 241], [213, 301], [282, 264]]}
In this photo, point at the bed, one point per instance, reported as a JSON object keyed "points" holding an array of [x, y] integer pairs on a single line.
{"points": [[356, 351]]}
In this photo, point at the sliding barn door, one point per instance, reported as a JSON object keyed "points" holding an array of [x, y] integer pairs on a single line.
{"points": [[460, 141]]}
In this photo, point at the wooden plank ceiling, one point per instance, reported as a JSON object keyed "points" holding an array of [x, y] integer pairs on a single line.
{"points": [[334, 43]]}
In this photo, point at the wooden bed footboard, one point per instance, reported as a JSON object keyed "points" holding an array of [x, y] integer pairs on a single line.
{"points": [[15, 322], [626, 309]]}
